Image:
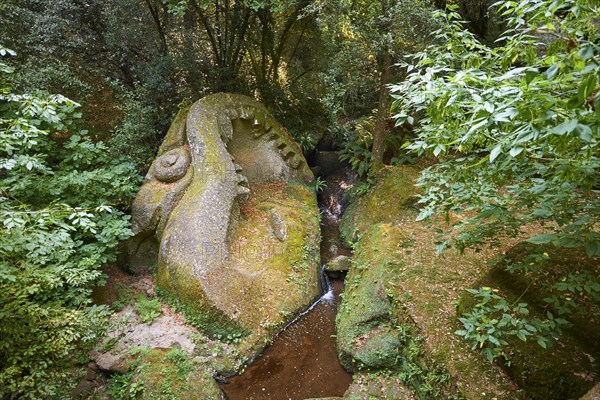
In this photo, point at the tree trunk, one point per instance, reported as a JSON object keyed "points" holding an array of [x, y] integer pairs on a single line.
{"points": [[382, 113]]}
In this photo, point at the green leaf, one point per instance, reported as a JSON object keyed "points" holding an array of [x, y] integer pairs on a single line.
{"points": [[586, 52], [584, 132], [565, 127], [586, 88], [541, 239], [593, 248], [552, 71], [542, 342], [495, 153], [515, 151], [530, 75]]}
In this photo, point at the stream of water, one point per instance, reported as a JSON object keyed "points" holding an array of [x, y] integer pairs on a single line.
{"points": [[302, 362]]}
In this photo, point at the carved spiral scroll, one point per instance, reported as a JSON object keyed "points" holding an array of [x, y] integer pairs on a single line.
{"points": [[172, 165]]}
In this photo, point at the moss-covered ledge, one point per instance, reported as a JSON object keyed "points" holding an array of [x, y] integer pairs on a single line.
{"points": [[396, 267]]}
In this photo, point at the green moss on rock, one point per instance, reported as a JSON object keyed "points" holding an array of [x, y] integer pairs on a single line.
{"points": [[388, 201], [237, 260], [366, 338], [411, 289], [378, 386], [170, 374]]}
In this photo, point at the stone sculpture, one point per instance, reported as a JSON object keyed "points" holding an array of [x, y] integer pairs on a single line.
{"points": [[228, 215]]}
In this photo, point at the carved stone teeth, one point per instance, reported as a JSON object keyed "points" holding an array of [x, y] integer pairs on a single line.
{"points": [[243, 193], [242, 180], [232, 114], [257, 129], [287, 154], [237, 167], [295, 162], [281, 145], [246, 113], [225, 128], [256, 133]]}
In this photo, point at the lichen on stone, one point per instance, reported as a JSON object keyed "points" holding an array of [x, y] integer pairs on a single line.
{"points": [[229, 267]]}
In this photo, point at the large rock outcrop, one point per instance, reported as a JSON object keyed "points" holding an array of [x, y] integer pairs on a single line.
{"points": [[228, 215]]}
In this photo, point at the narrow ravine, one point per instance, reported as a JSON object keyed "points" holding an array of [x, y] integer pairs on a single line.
{"points": [[302, 362]]}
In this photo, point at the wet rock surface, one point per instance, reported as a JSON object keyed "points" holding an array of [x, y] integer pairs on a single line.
{"points": [[340, 263], [366, 387], [162, 368]]}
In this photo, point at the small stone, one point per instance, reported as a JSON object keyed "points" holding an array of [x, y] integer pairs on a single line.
{"points": [[83, 389], [105, 361], [90, 374], [278, 226]]}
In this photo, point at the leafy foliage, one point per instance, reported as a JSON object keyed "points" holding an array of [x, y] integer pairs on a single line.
{"points": [[516, 127], [358, 143], [147, 309], [58, 190], [493, 319]]}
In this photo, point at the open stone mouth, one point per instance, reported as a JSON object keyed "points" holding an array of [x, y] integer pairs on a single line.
{"points": [[173, 165]]}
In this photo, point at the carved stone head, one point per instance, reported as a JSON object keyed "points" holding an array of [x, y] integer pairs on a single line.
{"points": [[189, 215]]}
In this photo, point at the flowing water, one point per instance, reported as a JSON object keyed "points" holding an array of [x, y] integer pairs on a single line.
{"points": [[302, 362]]}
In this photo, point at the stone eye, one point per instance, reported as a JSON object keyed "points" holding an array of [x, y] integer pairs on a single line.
{"points": [[172, 165]]}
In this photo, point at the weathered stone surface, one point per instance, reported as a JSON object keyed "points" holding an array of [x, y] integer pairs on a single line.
{"points": [[327, 398], [388, 202], [339, 263], [398, 282], [423, 287], [172, 165], [366, 337], [112, 362], [237, 230], [593, 394], [129, 332]]}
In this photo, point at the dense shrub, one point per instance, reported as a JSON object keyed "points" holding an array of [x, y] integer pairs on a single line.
{"points": [[60, 221]]}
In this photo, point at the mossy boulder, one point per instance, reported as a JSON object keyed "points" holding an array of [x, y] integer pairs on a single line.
{"points": [[229, 203], [388, 201], [425, 287], [339, 263], [378, 387], [366, 338], [170, 374]]}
